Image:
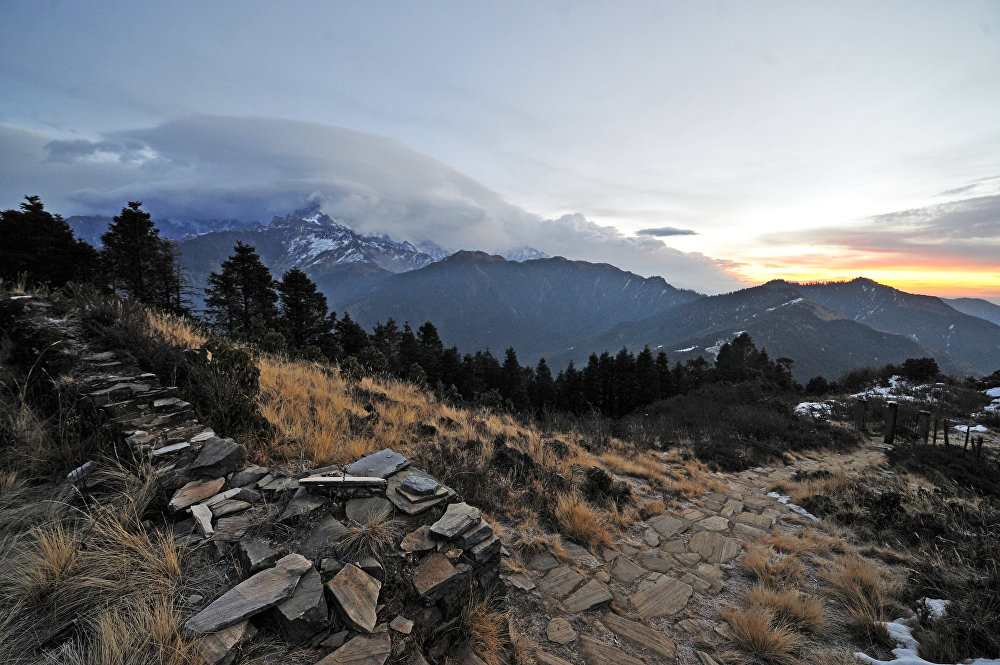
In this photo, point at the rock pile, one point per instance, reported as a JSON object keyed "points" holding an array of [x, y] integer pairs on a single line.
{"points": [[378, 523]]}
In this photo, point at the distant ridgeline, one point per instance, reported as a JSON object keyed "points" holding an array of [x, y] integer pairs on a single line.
{"points": [[808, 330]]}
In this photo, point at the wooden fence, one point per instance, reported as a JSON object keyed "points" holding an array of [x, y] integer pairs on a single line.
{"points": [[910, 425]]}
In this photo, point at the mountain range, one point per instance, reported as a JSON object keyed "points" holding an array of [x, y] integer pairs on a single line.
{"points": [[565, 310]]}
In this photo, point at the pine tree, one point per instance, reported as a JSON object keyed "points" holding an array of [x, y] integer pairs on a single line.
{"points": [[41, 246], [514, 385], [139, 262], [240, 298], [351, 335], [303, 315], [542, 390]]}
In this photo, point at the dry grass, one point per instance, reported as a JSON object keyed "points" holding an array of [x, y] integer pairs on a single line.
{"points": [[651, 508], [805, 541], [795, 608], [767, 567], [756, 632], [865, 592], [645, 466], [580, 522], [690, 478], [484, 628], [374, 536]]}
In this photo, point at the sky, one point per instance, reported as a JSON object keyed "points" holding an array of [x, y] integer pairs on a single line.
{"points": [[718, 144]]}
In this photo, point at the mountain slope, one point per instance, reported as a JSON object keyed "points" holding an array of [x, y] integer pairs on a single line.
{"points": [[926, 319], [477, 300], [983, 309], [343, 263], [777, 317]]}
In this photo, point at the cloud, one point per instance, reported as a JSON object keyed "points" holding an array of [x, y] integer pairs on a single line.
{"points": [[210, 167], [666, 231], [958, 233]]}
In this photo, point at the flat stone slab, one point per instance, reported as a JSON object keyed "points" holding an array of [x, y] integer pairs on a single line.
{"points": [[420, 485], [256, 554], [418, 541], [713, 523], [356, 593], [543, 562], [474, 536], [457, 519], [323, 537], [591, 594], [655, 563], [304, 613], [595, 652], [194, 492], [625, 571], [754, 520], [379, 464], [560, 631], [436, 577], [301, 505], [666, 526], [217, 648], [365, 510], [229, 507], [404, 502], [642, 636], [172, 448], [581, 556], [218, 457], [561, 581], [659, 595], [261, 592], [714, 547], [362, 650]]}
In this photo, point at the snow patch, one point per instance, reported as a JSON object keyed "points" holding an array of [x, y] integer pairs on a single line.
{"points": [[812, 409], [690, 348], [906, 652], [784, 304], [935, 606], [990, 392], [791, 506], [971, 428]]}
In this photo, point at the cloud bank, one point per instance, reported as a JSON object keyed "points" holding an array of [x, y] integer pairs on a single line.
{"points": [[962, 233], [210, 167]]}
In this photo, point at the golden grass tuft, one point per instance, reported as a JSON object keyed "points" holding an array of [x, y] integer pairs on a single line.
{"points": [[645, 466], [755, 631], [795, 608], [651, 508], [49, 563], [865, 592], [580, 522], [805, 541], [374, 536], [484, 628], [768, 567]]}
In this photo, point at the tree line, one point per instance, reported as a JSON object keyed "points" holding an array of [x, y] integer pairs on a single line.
{"points": [[244, 302]]}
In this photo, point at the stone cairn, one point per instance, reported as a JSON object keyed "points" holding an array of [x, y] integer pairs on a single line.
{"points": [[305, 586]]}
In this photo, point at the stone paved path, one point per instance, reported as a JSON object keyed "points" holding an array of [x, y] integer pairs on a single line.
{"points": [[653, 597]]}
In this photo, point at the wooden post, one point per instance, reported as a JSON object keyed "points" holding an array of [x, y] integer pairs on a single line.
{"points": [[968, 428], [860, 411], [890, 423], [934, 440], [923, 425], [946, 432]]}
